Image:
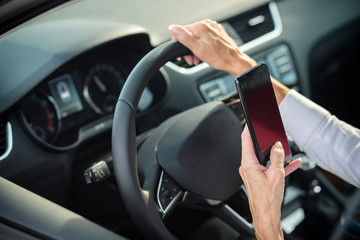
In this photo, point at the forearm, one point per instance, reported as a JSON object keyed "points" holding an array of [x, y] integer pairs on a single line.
{"points": [[268, 226], [266, 210], [334, 146], [330, 142]]}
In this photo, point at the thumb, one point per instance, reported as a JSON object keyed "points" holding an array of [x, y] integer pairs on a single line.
{"points": [[277, 156], [183, 35]]}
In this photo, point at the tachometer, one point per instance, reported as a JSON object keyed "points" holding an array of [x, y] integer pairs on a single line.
{"points": [[102, 87], [41, 116]]}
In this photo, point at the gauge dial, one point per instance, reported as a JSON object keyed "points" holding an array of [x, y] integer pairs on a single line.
{"points": [[41, 116], [102, 87]]}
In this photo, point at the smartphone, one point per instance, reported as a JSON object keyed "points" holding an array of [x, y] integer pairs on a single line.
{"points": [[262, 112]]}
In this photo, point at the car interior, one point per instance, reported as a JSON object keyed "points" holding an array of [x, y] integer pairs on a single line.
{"points": [[107, 133]]}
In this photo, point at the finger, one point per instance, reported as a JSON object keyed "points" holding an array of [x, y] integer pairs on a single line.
{"points": [[248, 155], [291, 167], [196, 60], [197, 29], [246, 140], [221, 27], [277, 156], [184, 36], [210, 22], [189, 59], [216, 25]]}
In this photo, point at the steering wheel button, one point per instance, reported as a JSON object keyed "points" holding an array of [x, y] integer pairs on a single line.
{"points": [[166, 193]]}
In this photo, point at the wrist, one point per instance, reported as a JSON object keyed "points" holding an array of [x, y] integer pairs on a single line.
{"points": [[239, 63], [268, 225], [280, 90]]}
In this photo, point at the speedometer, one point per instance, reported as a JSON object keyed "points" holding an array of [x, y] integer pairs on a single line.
{"points": [[102, 87], [41, 116]]}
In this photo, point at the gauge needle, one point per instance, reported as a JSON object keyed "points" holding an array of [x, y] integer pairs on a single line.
{"points": [[100, 84]]}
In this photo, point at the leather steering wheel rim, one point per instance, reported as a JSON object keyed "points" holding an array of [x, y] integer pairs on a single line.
{"points": [[139, 205]]}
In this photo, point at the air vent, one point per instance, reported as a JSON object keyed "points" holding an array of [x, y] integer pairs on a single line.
{"points": [[6, 140], [253, 24], [3, 136], [215, 88]]}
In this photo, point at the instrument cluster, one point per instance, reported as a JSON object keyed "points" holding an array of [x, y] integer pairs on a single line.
{"points": [[78, 101]]}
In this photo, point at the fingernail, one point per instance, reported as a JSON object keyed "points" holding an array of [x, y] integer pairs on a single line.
{"points": [[174, 30], [278, 144]]}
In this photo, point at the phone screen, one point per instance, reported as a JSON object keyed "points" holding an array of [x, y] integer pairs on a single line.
{"points": [[262, 113]]}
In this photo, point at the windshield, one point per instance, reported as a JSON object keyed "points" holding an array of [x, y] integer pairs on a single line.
{"points": [[16, 12]]}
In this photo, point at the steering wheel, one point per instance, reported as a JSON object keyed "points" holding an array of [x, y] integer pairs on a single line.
{"points": [[192, 157]]}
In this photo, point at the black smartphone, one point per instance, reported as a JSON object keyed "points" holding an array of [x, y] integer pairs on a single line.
{"points": [[262, 112]]}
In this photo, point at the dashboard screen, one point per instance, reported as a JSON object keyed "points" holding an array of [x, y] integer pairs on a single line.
{"points": [[65, 94]]}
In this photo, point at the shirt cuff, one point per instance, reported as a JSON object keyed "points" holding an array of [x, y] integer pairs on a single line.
{"points": [[301, 117]]}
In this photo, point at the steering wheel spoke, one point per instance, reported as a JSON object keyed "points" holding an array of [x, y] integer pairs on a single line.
{"points": [[221, 210], [233, 219], [168, 195]]}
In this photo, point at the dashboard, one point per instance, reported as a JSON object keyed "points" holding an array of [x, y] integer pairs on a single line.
{"points": [[62, 72], [65, 69], [77, 101]]}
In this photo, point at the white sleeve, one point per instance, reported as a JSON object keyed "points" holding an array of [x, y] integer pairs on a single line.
{"points": [[333, 144]]}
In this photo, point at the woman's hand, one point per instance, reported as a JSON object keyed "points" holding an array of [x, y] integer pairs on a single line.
{"points": [[210, 43], [265, 187]]}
